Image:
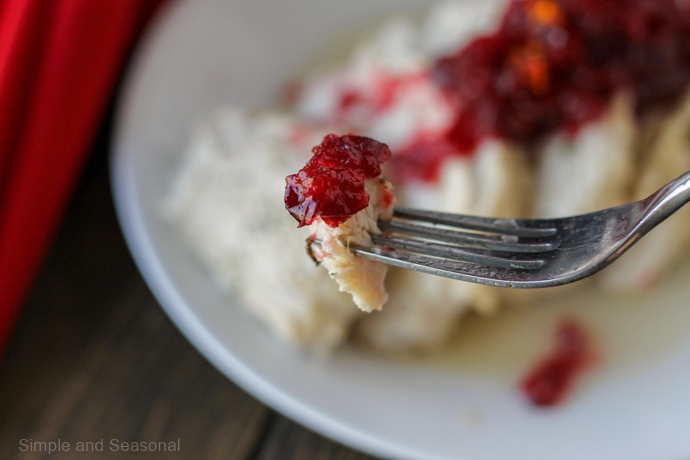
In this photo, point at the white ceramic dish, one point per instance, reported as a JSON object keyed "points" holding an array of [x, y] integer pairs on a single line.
{"points": [[460, 405]]}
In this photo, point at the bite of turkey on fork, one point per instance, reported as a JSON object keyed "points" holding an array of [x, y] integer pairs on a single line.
{"points": [[361, 277]]}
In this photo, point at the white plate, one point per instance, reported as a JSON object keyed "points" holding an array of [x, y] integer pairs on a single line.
{"points": [[461, 405]]}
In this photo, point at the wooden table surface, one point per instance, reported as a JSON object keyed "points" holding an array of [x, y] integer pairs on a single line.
{"points": [[94, 362]]}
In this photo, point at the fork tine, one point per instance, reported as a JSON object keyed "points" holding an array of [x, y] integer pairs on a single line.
{"points": [[514, 227], [436, 250], [440, 267], [505, 243]]}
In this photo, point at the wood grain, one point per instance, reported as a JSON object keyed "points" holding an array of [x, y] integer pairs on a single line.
{"points": [[95, 358]]}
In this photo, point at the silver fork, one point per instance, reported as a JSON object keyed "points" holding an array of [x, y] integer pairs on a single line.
{"points": [[520, 253]]}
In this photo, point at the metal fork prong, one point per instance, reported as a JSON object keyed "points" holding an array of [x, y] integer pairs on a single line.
{"points": [[431, 249], [505, 243], [440, 267], [514, 227]]}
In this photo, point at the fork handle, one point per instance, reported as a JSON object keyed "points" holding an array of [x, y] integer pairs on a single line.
{"points": [[664, 202]]}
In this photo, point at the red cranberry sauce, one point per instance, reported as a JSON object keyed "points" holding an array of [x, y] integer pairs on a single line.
{"points": [[362, 103], [331, 184], [551, 379], [554, 65]]}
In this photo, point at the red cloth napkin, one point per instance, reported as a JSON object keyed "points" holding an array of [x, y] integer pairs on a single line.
{"points": [[59, 63]]}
